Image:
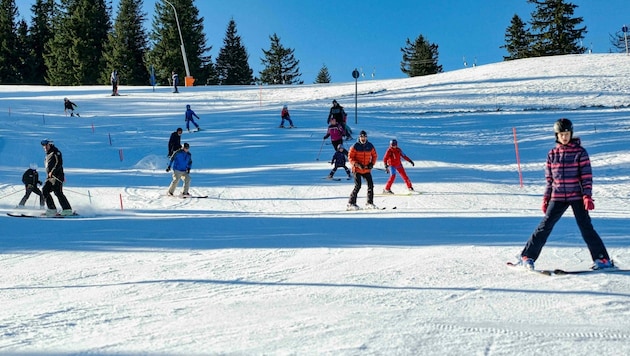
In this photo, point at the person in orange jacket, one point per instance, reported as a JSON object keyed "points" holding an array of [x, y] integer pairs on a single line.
{"points": [[393, 164], [362, 156]]}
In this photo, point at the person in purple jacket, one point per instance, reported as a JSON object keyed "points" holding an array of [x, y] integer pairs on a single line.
{"points": [[336, 133], [569, 184]]}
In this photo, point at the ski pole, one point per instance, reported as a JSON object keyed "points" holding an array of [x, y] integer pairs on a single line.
{"points": [[320, 149]]}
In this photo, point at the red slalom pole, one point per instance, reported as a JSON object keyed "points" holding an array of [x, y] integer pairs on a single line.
{"points": [[518, 158]]}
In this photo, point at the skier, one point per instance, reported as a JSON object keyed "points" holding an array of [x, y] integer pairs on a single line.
{"points": [[335, 132], [337, 112], [393, 164], [188, 117], [30, 178], [54, 180], [175, 79], [181, 160], [174, 142], [339, 160], [569, 184], [69, 106], [362, 156], [113, 79], [284, 114]]}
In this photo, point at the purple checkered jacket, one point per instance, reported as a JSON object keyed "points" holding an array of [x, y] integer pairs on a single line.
{"points": [[568, 172]]}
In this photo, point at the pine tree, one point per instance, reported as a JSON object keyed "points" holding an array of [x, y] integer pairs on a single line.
{"points": [[323, 76], [618, 41], [517, 40], [166, 54], [40, 32], [75, 53], [232, 66], [555, 29], [22, 52], [127, 46], [9, 57], [280, 65], [420, 58]]}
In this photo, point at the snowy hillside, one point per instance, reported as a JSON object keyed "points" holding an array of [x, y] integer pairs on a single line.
{"points": [[272, 263]]}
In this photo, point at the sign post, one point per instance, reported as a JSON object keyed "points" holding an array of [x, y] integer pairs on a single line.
{"points": [[624, 29], [355, 75]]}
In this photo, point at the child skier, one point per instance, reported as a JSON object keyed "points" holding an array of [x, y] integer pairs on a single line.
{"points": [[339, 160], [69, 106], [188, 117], [30, 178], [393, 164], [284, 115], [569, 184]]}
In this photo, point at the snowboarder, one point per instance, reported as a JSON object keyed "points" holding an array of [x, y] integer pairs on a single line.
{"points": [[284, 115], [335, 132], [181, 160], [174, 142], [393, 164], [175, 80], [188, 117], [339, 160], [113, 78], [30, 178], [69, 106], [362, 156], [54, 180], [569, 184]]}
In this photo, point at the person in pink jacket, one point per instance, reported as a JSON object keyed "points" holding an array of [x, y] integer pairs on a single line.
{"points": [[393, 165]]}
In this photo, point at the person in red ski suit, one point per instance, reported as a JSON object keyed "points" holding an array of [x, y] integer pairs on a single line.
{"points": [[393, 164]]}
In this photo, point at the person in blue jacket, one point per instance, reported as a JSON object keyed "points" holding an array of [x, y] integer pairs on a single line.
{"points": [[181, 161], [189, 118]]}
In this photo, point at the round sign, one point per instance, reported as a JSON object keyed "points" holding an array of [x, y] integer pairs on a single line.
{"points": [[355, 74]]}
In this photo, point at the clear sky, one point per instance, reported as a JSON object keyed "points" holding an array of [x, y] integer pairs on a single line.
{"points": [[368, 34]]}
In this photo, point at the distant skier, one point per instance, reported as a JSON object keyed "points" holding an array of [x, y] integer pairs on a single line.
{"points": [[54, 180], [284, 115], [335, 132], [68, 107], [569, 184], [339, 160], [181, 160], [393, 164], [30, 178], [175, 80], [188, 117], [339, 114], [175, 142], [113, 79]]}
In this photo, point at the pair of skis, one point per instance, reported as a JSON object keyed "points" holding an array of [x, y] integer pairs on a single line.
{"points": [[43, 215], [562, 272]]}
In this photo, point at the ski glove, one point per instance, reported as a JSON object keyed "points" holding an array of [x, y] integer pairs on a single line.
{"points": [[588, 202], [545, 204], [168, 169], [387, 169], [188, 170], [412, 164], [370, 166]]}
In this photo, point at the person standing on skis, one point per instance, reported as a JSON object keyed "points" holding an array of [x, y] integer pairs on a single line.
{"points": [[68, 107], [181, 161], [393, 164], [30, 178], [284, 115], [569, 184], [54, 180], [362, 156]]}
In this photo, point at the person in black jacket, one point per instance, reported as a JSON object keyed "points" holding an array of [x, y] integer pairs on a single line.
{"points": [[68, 107], [175, 142], [54, 180], [30, 178]]}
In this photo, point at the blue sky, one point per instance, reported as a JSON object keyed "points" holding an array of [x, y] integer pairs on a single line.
{"points": [[369, 34]]}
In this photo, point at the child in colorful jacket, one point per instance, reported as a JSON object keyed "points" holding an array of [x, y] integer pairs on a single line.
{"points": [[393, 164], [569, 184], [335, 132], [284, 115]]}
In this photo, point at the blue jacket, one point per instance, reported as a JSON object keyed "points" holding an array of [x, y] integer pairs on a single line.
{"points": [[189, 114], [181, 160]]}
